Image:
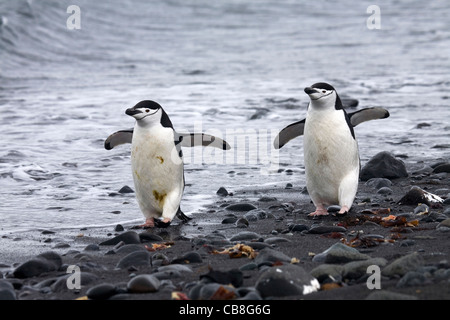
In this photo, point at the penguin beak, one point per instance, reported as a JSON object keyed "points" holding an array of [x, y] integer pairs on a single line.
{"points": [[310, 90], [132, 112]]}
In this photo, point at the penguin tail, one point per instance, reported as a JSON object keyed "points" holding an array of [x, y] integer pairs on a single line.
{"points": [[180, 214]]}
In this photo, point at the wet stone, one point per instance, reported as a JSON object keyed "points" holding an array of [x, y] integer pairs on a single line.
{"points": [[101, 292], [7, 291], [92, 247], [128, 237], [143, 283], [245, 235], [134, 259], [326, 229], [222, 192], [402, 265], [270, 256], [188, 257], [286, 280], [126, 189], [339, 253], [147, 236], [298, 228], [378, 183], [129, 248], [45, 262], [241, 207], [383, 165]]}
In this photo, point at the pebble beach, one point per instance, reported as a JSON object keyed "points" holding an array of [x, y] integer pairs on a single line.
{"points": [[257, 244]]}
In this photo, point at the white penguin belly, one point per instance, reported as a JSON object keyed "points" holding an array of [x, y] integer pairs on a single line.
{"points": [[157, 172], [331, 157]]}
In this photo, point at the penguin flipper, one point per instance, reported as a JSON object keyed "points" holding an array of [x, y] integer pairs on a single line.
{"points": [[118, 138], [367, 114], [202, 139], [180, 214], [292, 131]]}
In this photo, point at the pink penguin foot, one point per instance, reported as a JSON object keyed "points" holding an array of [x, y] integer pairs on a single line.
{"points": [[149, 223], [318, 212], [344, 210]]}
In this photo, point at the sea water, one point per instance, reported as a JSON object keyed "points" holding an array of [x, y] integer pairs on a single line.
{"points": [[237, 69]]}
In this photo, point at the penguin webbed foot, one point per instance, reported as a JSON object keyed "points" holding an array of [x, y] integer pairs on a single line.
{"points": [[162, 223], [320, 212], [182, 216]]}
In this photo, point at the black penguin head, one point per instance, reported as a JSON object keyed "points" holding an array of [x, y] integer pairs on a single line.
{"points": [[149, 112], [322, 94]]}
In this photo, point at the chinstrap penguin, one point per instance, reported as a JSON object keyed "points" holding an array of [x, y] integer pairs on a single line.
{"points": [[330, 148], [157, 161]]}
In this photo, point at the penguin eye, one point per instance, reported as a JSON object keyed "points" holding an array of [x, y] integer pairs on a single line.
{"points": [[324, 91], [147, 110]]}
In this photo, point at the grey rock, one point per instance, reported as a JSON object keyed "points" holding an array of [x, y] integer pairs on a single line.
{"points": [[241, 207], [251, 216], [378, 183], [325, 271], [339, 253], [149, 237], [101, 291], [143, 283], [229, 220], [270, 255], [119, 228], [357, 269], [444, 223], [402, 265], [128, 237], [257, 245], [326, 229], [61, 245], [7, 291], [273, 240], [385, 191], [245, 235], [412, 278], [416, 195], [45, 262], [128, 248], [389, 295], [286, 280], [222, 192], [267, 199], [442, 168], [175, 267], [422, 209], [383, 165], [248, 266], [92, 247], [60, 284], [242, 223], [126, 189], [298, 228], [134, 259], [188, 257]]}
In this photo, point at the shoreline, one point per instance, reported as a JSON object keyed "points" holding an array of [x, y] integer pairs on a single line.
{"points": [[269, 220]]}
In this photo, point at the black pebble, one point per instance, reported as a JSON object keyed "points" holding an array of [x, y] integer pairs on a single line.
{"points": [[126, 189], [222, 192]]}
